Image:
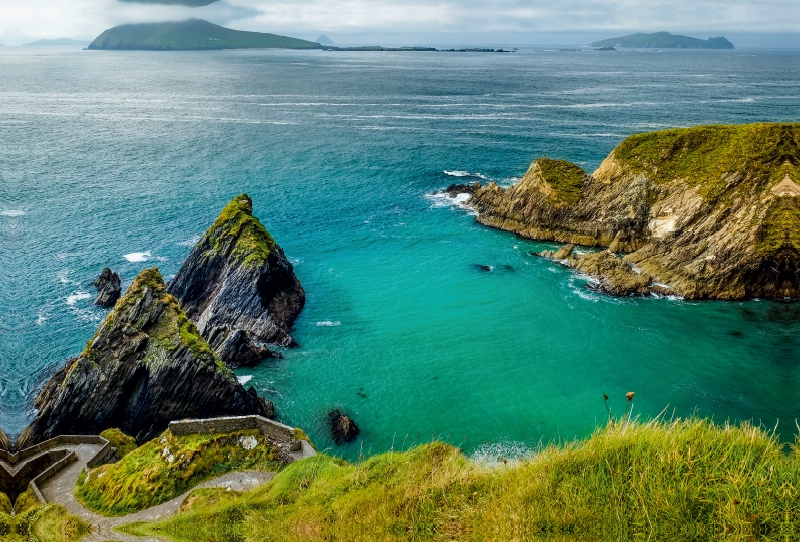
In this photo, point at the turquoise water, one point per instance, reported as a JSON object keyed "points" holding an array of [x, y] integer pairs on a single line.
{"points": [[109, 157]]}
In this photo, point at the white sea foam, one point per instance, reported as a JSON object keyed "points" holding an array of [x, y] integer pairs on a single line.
{"points": [[138, 256], [459, 173], [492, 454], [77, 296], [328, 323], [443, 199], [190, 242], [12, 212], [244, 379]]}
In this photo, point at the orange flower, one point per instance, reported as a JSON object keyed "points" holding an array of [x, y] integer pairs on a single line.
{"points": [[629, 395]]}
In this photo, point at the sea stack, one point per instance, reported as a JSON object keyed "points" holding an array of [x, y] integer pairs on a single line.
{"points": [[146, 366], [109, 288], [239, 288], [343, 428], [710, 212]]}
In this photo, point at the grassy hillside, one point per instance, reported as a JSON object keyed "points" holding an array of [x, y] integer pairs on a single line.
{"points": [[193, 34], [677, 480], [664, 40]]}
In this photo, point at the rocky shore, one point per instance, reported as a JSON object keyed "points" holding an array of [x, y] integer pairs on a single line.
{"points": [[239, 288], [710, 212], [146, 366]]}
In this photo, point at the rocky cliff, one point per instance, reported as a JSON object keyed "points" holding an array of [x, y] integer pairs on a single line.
{"points": [[146, 366], [239, 288], [704, 212]]}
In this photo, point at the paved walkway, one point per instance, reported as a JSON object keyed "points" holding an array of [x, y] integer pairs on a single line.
{"points": [[61, 490]]}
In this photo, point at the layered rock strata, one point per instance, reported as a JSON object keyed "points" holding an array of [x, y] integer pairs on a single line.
{"points": [[109, 288], [706, 212], [239, 288], [146, 366]]}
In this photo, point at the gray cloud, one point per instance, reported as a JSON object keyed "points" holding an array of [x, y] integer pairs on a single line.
{"points": [[384, 18]]}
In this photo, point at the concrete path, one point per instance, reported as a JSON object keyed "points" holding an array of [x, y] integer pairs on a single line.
{"points": [[61, 490]]}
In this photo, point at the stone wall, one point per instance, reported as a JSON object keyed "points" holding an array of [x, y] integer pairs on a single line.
{"points": [[227, 424]]}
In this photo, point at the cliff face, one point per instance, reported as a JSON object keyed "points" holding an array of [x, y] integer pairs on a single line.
{"points": [[239, 288], [705, 212], [145, 366]]}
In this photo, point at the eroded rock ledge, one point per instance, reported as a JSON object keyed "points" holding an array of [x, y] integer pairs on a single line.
{"points": [[239, 288], [710, 212]]}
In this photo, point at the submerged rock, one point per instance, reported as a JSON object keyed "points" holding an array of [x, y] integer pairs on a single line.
{"points": [[146, 366], [342, 427], [704, 212], [239, 288], [455, 189], [109, 288]]}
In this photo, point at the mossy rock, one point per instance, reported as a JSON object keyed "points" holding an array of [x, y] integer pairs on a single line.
{"points": [[119, 440]]}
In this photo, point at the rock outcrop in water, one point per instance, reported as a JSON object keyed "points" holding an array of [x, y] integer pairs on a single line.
{"points": [[711, 212], [146, 366], [239, 288], [109, 288], [343, 428]]}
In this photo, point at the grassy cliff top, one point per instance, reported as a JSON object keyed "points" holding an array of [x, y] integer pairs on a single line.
{"points": [[653, 479], [664, 40], [565, 178], [236, 224], [706, 156], [167, 466], [192, 34]]}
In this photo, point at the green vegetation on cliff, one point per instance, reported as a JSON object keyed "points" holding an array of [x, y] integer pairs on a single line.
{"points": [[41, 523], [707, 157], [664, 40], [659, 480], [564, 177], [236, 224], [119, 440], [193, 34], [169, 465]]}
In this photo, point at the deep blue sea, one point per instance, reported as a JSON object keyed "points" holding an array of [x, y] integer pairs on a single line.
{"points": [[122, 159]]}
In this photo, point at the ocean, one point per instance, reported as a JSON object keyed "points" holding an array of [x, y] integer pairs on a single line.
{"points": [[420, 323]]}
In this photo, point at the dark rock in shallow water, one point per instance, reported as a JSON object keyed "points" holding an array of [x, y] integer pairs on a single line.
{"points": [[455, 189], [109, 288], [481, 267], [146, 366], [239, 288], [343, 428]]}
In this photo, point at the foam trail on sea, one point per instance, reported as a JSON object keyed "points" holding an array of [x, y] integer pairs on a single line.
{"points": [[328, 323], [77, 296], [492, 454], [244, 379], [12, 213]]}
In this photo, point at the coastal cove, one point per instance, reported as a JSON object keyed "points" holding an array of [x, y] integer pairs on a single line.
{"points": [[418, 322]]}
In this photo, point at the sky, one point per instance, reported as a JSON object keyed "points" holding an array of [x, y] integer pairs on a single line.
{"points": [[767, 23]]}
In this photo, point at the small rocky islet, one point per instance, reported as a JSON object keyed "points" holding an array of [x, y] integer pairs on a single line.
{"points": [[709, 212], [165, 351]]}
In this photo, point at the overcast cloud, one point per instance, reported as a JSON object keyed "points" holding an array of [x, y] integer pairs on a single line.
{"points": [[21, 20]]}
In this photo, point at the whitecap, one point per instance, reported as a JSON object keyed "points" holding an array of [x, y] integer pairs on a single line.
{"points": [[244, 379], [191, 241], [460, 173], [77, 296], [443, 199], [492, 454], [138, 256], [328, 323], [12, 212]]}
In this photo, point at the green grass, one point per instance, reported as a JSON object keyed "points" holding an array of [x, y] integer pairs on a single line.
{"points": [[237, 225], [717, 158], [564, 177], [662, 480], [168, 466], [119, 440], [41, 523], [192, 34]]}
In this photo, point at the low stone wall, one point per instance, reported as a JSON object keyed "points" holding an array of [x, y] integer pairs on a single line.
{"points": [[228, 424]]}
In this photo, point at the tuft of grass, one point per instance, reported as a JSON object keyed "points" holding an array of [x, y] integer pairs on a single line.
{"points": [[53, 523], [168, 466], [26, 501], [119, 440], [564, 177], [658, 479]]}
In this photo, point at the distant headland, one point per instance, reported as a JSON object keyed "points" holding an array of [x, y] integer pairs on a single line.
{"points": [[58, 42], [192, 34], [664, 40]]}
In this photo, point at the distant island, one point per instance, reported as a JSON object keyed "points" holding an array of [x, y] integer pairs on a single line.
{"points": [[664, 40], [324, 40], [192, 34], [58, 42]]}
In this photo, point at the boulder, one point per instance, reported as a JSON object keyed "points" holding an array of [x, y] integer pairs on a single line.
{"points": [[342, 427]]}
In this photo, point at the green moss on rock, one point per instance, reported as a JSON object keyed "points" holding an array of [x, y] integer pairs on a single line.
{"points": [[119, 440], [237, 226], [565, 178]]}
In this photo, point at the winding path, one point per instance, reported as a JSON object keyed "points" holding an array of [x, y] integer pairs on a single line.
{"points": [[61, 490]]}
